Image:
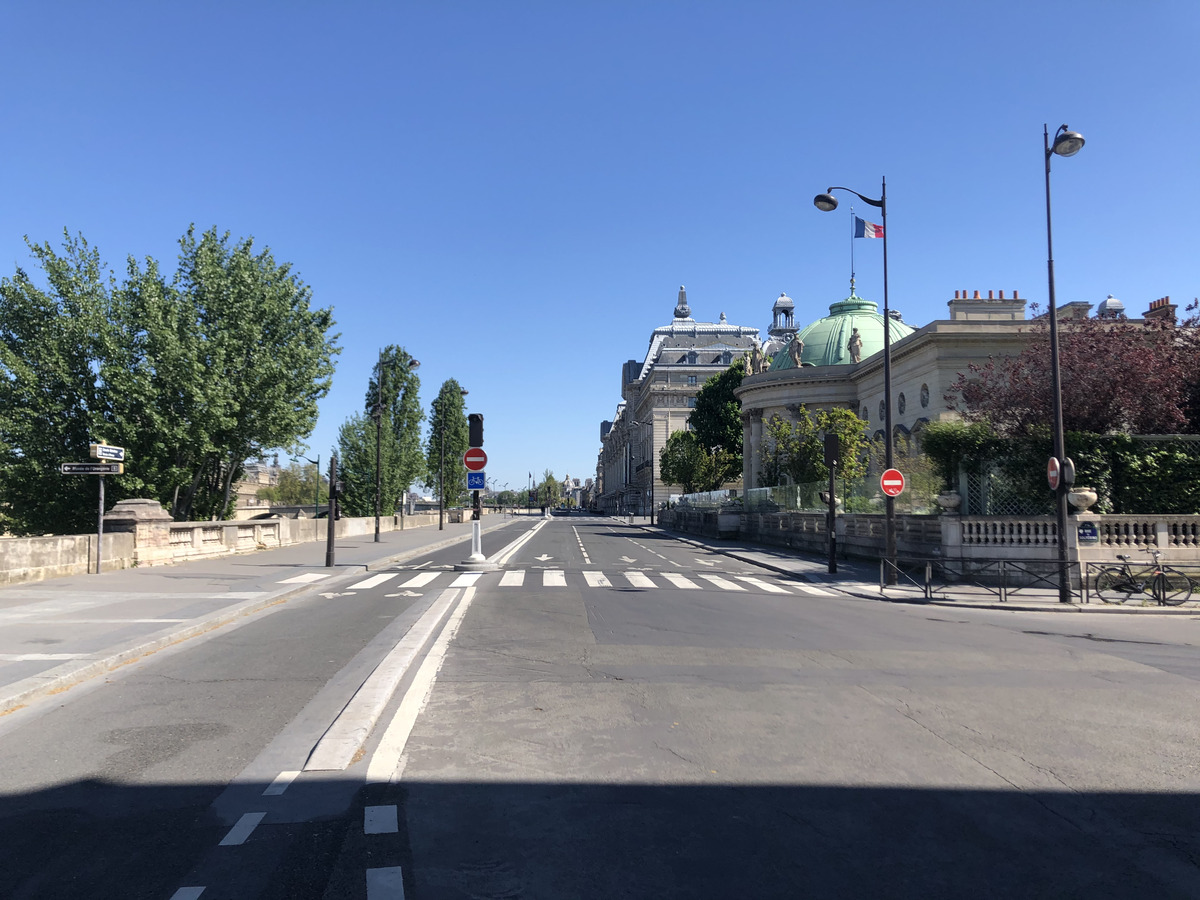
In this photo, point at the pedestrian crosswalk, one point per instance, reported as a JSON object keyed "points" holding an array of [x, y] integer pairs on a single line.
{"points": [[560, 578]]}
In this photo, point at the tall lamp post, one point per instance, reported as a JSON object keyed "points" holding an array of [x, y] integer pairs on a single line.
{"points": [[827, 203], [377, 415], [317, 498], [1066, 143], [649, 457], [442, 464]]}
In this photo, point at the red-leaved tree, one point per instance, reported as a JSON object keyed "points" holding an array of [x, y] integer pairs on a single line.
{"points": [[1117, 376]]}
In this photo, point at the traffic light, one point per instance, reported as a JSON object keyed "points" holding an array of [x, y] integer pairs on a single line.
{"points": [[475, 430]]}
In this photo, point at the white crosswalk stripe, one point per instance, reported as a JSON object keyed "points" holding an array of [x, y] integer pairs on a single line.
{"points": [[680, 582], [554, 578], [306, 578], [373, 581], [466, 579], [816, 592], [763, 585], [596, 579], [721, 582], [638, 580], [420, 580], [515, 578]]}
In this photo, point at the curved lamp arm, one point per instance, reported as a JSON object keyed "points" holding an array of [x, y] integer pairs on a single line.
{"points": [[827, 202]]}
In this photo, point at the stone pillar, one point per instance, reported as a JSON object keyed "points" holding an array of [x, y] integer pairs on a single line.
{"points": [[755, 448], [150, 526]]}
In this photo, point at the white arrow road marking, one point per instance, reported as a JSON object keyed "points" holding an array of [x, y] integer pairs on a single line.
{"points": [[515, 578], [765, 585], [373, 581], [596, 579], [705, 562], [404, 594], [554, 578], [638, 580], [628, 559], [722, 583], [680, 582], [328, 594], [543, 557]]}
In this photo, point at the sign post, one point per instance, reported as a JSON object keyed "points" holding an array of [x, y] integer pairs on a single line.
{"points": [[98, 451]]}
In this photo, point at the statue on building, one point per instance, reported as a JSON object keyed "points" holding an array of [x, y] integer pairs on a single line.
{"points": [[754, 365], [795, 350], [855, 346]]}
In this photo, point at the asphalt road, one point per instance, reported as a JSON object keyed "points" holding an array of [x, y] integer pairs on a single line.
{"points": [[617, 713]]}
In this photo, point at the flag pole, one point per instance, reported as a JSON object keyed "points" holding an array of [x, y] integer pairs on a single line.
{"points": [[852, 250]]}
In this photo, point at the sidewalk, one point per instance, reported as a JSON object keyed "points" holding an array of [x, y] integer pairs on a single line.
{"points": [[860, 578], [62, 631]]}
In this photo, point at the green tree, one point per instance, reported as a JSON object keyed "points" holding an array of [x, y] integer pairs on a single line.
{"points": [[299, 485], [549, 490], [401, 461], [448, 423], [716, 421], [795, 450], [192, 377], [683, 461]]}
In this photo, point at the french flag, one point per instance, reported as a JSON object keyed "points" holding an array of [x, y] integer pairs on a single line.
{"points": [[865, 229]]}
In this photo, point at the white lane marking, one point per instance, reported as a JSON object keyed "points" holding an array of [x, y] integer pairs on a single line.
{"points": [[466, 579], [239, 832], [508, 552], [187, 893], [722, 583], [554, 578], [764, 585], [306, 578], [680, 581], [280, 784], [380, 820], [385, 884], [515, 578], [39, 657], [420, 580], [350, 730], [638, 580], [596, 579], [385, 762], [582, 549], [373, 581], [816, 592]]}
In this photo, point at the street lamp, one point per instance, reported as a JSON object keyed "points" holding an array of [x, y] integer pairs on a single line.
{"points": [[1066, 143], [317, 498], [649, 457], [827, 203], [442, 463], [377, 415]]}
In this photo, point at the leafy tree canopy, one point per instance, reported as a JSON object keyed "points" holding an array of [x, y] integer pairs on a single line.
{"points": [[448, 438], [717, 417]]}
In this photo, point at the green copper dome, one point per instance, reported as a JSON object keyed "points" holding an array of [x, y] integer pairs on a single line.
{"points": [[826, 340]]}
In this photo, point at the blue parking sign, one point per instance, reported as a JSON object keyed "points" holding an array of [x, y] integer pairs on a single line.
{"points": [[476, 481]]}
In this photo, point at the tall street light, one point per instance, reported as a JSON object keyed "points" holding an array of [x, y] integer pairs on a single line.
{"points": [[1066, 143], [317, 498], [442, 463], [377, 415], [827, 203]]}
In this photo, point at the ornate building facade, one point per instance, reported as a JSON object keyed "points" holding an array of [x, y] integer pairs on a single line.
{"points": [[658, 393]]}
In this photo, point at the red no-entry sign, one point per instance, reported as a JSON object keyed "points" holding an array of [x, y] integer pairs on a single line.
{"points": [[475, 459], [1053, 473], [891, 482]]}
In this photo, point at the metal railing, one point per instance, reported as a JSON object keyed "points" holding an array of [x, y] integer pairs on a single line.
{"points": [[1001, 578]]}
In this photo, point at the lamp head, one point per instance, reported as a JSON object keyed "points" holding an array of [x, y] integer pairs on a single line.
{"points": [[414, 364], [1067, 143], [825, 202]]}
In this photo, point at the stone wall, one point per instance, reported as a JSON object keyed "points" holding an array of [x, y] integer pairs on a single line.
{"points": [[35, 558]]}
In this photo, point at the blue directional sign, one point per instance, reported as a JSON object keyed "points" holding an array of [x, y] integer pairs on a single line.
{"points": [[476, 481]]}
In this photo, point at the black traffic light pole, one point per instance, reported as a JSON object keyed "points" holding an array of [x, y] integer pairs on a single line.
{"points": [[332, 514]]}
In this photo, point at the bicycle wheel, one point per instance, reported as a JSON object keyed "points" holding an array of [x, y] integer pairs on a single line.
{"points": [[1114, 586], [1173, 586]]}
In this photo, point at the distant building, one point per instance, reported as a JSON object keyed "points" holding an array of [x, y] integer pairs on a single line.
{"points": [[658, 393]]}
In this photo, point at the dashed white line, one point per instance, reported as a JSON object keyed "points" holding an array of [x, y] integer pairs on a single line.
{"points": [[239, 832], [280, 784], [380, 820], [385, 884]]}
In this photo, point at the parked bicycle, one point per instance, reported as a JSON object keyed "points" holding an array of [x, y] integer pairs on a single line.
{"points": [[1162, 584]]}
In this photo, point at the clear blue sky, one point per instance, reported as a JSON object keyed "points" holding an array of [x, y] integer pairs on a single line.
{"points": [[514, 191]]}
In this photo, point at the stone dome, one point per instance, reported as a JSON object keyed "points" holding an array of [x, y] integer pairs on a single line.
{"points": [[825, 340]]}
